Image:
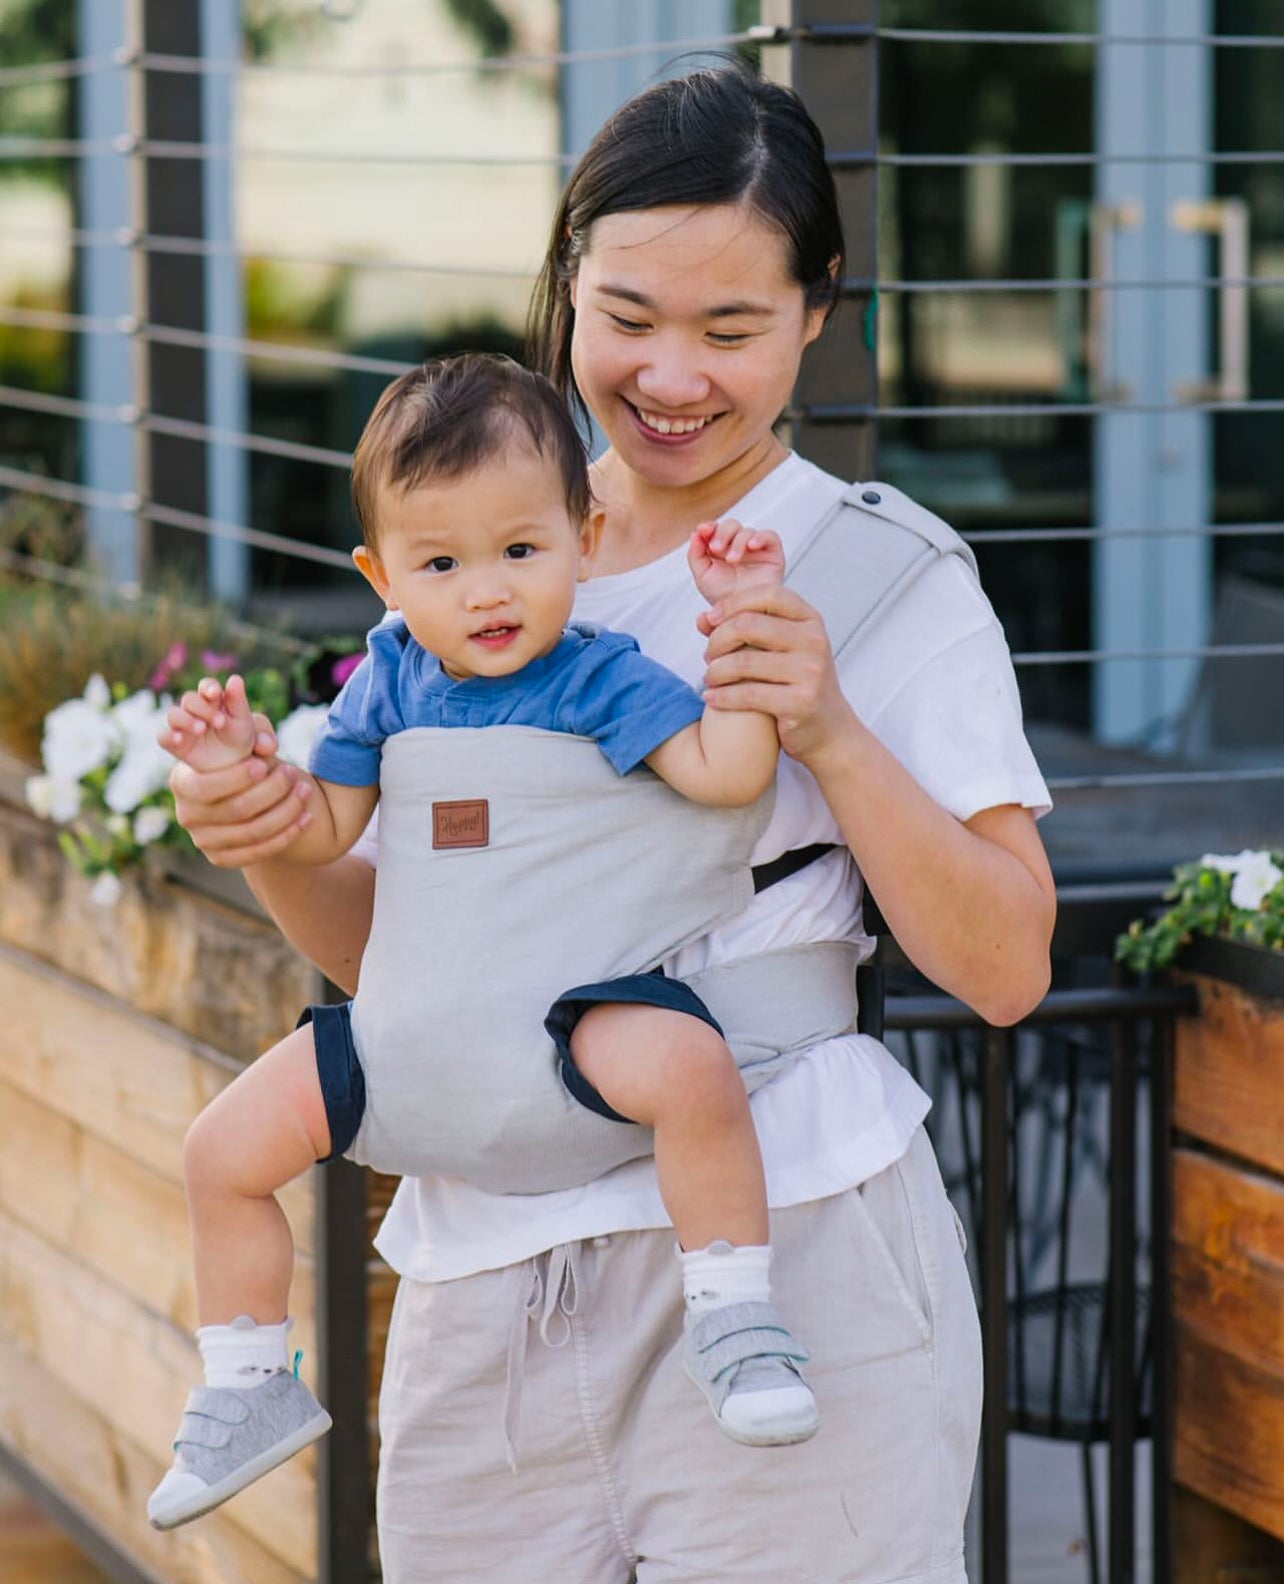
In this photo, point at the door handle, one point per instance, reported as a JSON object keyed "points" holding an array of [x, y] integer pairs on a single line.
{"points": [[1105, 220], [1086, 348], [1227, 220]]}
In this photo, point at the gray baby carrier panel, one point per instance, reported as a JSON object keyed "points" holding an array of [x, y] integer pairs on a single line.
{"points": [[552, 870], [515, 863]]}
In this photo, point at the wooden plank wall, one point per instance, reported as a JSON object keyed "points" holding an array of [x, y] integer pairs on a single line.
{"points": [[118, 1026], [1228, 1282]]}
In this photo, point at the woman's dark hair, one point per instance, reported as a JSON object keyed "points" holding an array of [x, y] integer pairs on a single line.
{"points": [[718, 136], [452, 415]]}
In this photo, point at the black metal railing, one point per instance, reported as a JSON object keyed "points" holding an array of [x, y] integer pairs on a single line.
{"points": [[1080, 1360]]}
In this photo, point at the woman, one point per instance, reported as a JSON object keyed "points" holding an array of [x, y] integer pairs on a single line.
{"points": [[694, 257]]}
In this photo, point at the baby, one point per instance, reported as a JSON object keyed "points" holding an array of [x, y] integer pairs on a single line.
{"points": [[470, 485]]}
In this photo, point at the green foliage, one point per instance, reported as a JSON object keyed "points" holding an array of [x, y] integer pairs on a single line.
{"points": [[485, 23], [36, 359], [284, 301], [43, 528], [269, 27], [34, 31], [744, 15], [38, 30], [52, 639], [1202, 905]]}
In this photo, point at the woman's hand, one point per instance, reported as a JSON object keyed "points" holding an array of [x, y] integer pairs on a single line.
{"points": [[768, 650], [247, 812]]}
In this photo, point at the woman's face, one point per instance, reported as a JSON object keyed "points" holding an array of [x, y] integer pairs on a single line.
{"points": [[688, 334]]}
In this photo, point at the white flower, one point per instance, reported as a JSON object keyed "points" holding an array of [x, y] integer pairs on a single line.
{"points": [[97, 693], [150, 824], [144, 769], [137, 717], [106, 890], [1253, 880], [117, 824], [77, 739], [1255, 875], [53, 799], [297, 732], [144, 765], [1226, 863]]}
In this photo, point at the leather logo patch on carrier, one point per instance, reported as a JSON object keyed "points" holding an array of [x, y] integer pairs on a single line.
{"points": [[465, 823]]}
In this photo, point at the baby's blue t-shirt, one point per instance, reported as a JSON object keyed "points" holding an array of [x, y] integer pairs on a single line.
{"points": [[593, 683]]}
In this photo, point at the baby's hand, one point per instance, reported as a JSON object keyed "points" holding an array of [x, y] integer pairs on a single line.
{"points": [[724, 556], [212, 727]]}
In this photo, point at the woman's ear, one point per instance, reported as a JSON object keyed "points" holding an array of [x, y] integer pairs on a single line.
{"points": [[817, 317], [371, 568], [590, 539]]}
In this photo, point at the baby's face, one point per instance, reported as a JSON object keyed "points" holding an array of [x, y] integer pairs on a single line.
{"points": [[482, 567]]}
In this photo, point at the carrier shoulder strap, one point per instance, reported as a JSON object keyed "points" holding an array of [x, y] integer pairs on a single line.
{"points": [[865, 554]]}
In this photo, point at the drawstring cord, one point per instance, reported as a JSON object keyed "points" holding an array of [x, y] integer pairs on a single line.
{"points": [[553, 1294]]}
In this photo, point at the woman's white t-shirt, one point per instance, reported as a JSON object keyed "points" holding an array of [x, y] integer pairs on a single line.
{"points": [[933, 679]]}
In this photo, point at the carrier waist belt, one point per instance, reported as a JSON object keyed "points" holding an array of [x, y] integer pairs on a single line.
{"points": [[513, 864]]}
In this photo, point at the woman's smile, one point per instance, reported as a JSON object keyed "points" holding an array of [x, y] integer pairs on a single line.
{"points": [[666, 429]]}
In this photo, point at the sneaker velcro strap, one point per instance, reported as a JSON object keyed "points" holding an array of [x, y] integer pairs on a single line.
{"points": [[198, 1430], [210, 1416], [735, 1333]]}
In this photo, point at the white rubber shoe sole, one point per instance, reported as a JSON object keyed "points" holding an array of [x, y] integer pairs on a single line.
{"points": [[182, 1496]]}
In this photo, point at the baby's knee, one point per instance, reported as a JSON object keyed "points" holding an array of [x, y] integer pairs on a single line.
{"points": [[645, 1060], [205, 1153], [703, 1067]]}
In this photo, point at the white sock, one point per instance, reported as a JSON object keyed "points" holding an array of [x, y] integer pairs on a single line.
{"points": [[243, 1354], [723, 1274]]}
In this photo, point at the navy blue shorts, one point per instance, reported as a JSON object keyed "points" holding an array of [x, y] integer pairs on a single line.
{"points": [[648, 989], [343, 1084]]}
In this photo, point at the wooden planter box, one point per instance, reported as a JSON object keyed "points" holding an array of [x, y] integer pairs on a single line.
{"points": [[118, 1026], [1228, 1248]]}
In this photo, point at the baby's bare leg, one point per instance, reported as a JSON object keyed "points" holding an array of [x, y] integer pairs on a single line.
{"points": [[673, 1073], [265, 1129]]}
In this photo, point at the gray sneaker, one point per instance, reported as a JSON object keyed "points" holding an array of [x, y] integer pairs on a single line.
{"points": [[744, 1359], [229, 1438]]}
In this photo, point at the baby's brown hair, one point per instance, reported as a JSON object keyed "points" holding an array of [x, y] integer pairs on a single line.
{"points": [[451, 415]]}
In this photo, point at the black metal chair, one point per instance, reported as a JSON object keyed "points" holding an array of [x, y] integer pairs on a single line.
{"points": [[1058, 1321]]}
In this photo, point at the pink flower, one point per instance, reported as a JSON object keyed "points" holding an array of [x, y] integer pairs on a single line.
{"points": [[341, 670], [175, 659], [211, 660]]}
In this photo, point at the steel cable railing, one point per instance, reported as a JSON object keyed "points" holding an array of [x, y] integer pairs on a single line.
{"points": [[844, 412], [144, 243], [77, 577], [24, 148], [199, 247], [22, 482], [1148, 40], [764, 34], [54, 71], [189, 65]]}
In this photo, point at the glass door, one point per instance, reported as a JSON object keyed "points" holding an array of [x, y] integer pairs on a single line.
{"points": [[1082, 342], [981, 366]]}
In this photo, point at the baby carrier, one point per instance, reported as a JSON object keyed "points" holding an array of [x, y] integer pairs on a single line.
{"points": [[515, 862]]}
